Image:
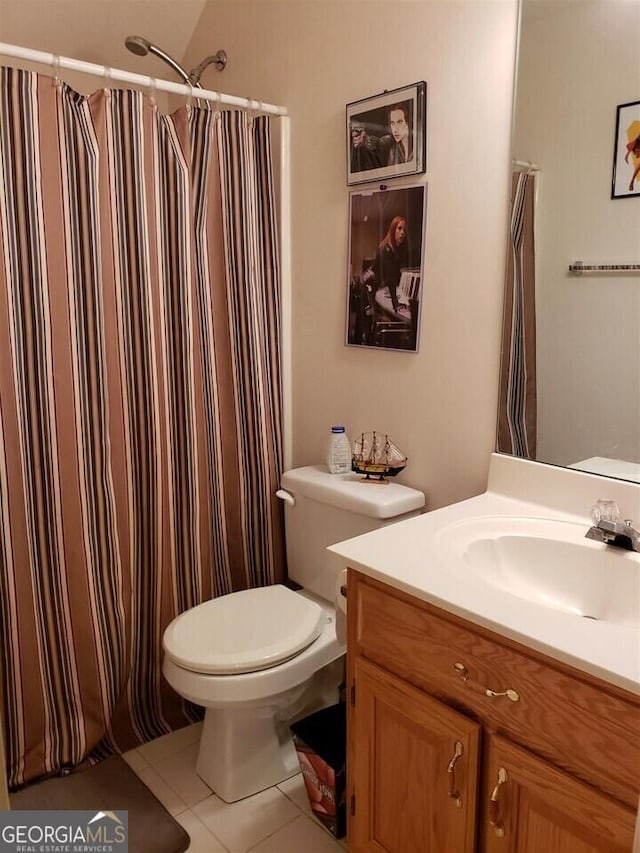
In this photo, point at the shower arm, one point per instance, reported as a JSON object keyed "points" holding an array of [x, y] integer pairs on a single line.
{"points": [[218, 59], [175, 65]]}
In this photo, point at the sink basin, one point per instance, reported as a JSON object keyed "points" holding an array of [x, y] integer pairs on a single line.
{"points": [[549, 563]]}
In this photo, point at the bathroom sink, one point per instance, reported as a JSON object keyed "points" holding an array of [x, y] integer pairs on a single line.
{"points": [[549, 563]]}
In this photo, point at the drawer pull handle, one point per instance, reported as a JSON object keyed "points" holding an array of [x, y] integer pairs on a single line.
{"points": [[494, 803], [461, 669], [513, 695], [463, 672], [451, 771]]}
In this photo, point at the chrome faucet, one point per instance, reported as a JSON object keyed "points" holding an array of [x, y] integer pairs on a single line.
{"points": [[607, 528]]}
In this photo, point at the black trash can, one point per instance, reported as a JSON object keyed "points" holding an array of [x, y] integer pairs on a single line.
{"points": [[321, 744]]}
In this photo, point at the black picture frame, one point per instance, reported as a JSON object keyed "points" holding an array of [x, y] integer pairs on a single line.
{"points": [[385, 279], [625, 182], [387, 135]]}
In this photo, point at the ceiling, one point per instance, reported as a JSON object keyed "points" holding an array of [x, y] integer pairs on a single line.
{"points": [[95, 30]]}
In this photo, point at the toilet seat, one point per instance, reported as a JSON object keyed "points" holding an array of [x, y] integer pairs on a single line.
{"points": [[244, 631]]}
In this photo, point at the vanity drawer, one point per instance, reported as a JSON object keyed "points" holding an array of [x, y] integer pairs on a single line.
{"points": [[572, 721]]}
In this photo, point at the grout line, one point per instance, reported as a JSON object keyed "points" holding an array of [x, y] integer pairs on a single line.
{"points": [[171, 788], [207, 830], [271, 834], [300, 808], [211, 832]]}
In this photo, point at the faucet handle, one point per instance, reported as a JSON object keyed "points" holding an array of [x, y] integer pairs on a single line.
{"points": [[604, 510]]}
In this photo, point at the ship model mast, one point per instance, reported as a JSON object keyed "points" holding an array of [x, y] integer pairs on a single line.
{"points": [[375, 456]]}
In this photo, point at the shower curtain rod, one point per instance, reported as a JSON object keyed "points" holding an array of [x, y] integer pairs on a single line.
{"points": [[525, 166], [117, 75]]}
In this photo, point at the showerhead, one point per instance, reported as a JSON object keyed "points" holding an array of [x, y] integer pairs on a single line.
{"points": [[137, 45], [141, 47]]}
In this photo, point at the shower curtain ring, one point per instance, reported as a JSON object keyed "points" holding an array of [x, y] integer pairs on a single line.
{"points": [[56, 71], [106, 73], [217, 106], [153, 87], [189, 97], [256, 109]]}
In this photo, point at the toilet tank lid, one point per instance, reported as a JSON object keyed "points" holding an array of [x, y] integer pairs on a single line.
{"points": [[348, 492]]}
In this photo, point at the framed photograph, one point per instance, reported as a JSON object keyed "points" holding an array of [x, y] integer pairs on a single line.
{"points": [[626, 152], [386, 267], [387, 135]]}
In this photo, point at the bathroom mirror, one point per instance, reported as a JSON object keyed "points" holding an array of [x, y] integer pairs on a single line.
{"points": [[570, 384]]}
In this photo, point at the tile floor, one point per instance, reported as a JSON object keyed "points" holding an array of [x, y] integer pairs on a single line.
{"points": [[277, 820]]}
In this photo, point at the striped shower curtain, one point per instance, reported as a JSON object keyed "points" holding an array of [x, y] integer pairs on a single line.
{"points": [[140, 432], [517, 407]]}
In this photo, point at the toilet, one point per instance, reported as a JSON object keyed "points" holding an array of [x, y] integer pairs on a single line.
{"points": [[260, 658]]}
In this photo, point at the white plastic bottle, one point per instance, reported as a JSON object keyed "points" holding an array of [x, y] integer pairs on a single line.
{"points": [[339, 453]]}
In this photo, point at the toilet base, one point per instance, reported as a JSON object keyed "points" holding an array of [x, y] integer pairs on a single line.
{"points": [[243, 752], [248, 747]]}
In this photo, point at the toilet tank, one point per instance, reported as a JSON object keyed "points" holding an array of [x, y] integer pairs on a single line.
{"points": [[326, 508]]}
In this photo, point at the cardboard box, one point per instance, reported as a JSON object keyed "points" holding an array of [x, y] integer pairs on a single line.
{"points": [[321, 744]]}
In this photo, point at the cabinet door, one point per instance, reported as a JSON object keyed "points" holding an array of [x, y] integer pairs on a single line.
{"points": [[413, 769], [529, 806]]}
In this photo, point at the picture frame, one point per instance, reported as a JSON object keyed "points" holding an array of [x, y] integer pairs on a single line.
{"points": [[386, 267], [387, 134], [625, 181]]}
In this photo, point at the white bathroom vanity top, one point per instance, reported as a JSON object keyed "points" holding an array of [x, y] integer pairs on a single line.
{"points": [[410, 556]]}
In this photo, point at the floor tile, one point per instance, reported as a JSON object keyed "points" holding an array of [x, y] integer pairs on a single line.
{"points": [[160, 748], [294, 789], [240, 826], [302, 835], [135, 760], [172, 802], [202, 841], [179, 772]]}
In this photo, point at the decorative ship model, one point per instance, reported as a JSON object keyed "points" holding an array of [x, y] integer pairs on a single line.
{"points": [[376, 457]]}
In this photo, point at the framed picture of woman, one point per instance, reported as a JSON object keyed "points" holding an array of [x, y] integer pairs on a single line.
{"points": [[626, 153], [386, 135], [386, 267]]}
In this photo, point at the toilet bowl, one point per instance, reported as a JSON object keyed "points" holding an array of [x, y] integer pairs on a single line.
{"points": [[245, 745], [258, 659]]}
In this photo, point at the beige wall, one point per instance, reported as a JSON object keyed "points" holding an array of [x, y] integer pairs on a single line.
{"points": [[439, 405], [588, 341]]}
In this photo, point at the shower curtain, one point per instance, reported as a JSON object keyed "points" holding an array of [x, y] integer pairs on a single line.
{"points": [[140, 432], [517, 405]]}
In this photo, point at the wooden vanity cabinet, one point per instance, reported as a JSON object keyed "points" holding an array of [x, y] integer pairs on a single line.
{"points": [[415, 768], [442, 760], [539, 808]]}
